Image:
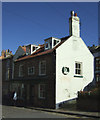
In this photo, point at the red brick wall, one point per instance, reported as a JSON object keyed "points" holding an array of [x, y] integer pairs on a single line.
{"points": [[35, 62], [48, 79]]}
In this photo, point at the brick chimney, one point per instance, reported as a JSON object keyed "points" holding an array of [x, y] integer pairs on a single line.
{"points": [[6, 53]]}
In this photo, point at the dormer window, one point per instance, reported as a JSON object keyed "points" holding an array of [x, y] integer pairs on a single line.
{"points": [[31, 48], [55, 42], [51, 43], [35, 48]]}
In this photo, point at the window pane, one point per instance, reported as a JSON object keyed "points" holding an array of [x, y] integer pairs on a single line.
{"points": [[79, 71], [33, 48], [47, 45], [42, 91], [54, 42], [79, 65], [76, 65], [31, 70], [43, 67], [78, 68]]}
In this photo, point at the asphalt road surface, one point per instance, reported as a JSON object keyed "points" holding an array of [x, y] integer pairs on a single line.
{"points": [[21, 112]]}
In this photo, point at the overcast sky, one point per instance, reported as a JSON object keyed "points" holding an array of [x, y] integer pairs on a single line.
{"points": [[31, 22]]}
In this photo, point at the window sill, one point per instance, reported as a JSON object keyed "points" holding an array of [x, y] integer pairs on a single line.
{"points": [[42, 74], [78, 76]]}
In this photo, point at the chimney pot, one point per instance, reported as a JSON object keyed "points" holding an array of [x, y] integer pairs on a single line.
{"points": [[75, 14]]}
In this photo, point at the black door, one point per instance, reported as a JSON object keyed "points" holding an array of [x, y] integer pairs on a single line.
{"points": [[32, 94]]}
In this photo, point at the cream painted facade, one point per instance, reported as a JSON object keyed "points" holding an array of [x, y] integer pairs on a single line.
{"points": [[71, 51]]}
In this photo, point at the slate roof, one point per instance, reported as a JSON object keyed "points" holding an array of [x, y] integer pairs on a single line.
{"points": [[24, 48], [41, 50]]}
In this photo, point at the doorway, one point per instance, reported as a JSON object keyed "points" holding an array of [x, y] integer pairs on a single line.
{"points": [[32, 92]]}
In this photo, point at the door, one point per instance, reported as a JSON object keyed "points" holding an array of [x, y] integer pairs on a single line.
{"points": [[32, 94]]}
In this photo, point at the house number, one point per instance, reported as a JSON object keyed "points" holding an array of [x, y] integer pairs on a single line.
{"points": [[65, 70]]}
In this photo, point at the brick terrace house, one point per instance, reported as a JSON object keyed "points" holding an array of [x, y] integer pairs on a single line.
{"points": [[55, 71], [6, 59], [36, 73]]}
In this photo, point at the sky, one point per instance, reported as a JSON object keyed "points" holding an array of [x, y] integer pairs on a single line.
{"points": [[26, 23]]}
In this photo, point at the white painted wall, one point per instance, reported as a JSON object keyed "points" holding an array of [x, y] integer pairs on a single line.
{"points": [[67, 86]]}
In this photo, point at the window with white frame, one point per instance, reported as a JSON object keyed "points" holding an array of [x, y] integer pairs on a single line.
{"points": [[21, 71], [55, 42], [42, 68], [41, 92], [31, 70], [34, 48], [78, 68]]}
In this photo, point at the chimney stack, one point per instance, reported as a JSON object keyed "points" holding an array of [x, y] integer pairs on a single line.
{"points": [[6, 53], [74, 25]]}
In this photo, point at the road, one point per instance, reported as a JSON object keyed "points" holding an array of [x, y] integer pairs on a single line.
{"points": [[21, 112]]}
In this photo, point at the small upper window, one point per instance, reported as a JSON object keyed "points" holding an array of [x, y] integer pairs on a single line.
{"points": [[34, 48], [21, 71], [78, 68], [55, 42], [31, 70], [51, 43], [42, 68]]}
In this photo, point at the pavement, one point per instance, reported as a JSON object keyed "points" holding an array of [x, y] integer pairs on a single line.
{"points": [[69, 112]]}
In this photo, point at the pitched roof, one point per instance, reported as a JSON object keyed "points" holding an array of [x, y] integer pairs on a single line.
{"points": [[41, 50]]}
